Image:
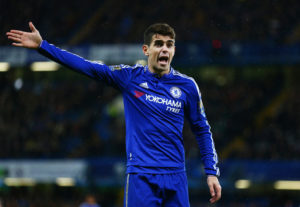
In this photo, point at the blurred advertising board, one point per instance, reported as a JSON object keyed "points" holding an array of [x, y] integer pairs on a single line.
{"points": [[44, 171]]}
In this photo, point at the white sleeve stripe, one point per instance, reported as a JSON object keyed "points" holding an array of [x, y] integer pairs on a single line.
{"points": [[215, 157]]}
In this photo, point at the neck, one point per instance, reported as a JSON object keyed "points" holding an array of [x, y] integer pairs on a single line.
{"points": [[158, 71]]}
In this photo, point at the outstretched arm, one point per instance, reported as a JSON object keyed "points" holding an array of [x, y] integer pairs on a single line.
{"points": [[31, 39], [95, 70]]}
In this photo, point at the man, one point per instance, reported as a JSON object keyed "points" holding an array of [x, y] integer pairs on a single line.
{"points": [[156, 100]]}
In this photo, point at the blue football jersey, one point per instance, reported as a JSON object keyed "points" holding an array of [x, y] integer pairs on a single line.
{"points": [[155, 108]]}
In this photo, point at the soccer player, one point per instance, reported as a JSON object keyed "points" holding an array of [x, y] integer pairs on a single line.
{"points": [[156, 100]]}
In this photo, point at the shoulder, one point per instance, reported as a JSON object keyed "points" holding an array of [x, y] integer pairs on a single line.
{"points": [[187, 80]]}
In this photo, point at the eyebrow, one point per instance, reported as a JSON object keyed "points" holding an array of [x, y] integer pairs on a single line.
{"points": [[161, 41]]}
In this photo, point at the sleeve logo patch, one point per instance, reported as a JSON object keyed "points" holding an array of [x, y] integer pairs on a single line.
{"points": [[115, 67], [175, 92], [201, 107]]}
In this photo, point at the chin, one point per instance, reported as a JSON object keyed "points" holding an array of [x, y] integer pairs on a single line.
{"points": [[164, 68]]}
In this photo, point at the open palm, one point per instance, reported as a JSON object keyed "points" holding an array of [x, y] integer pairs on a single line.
{"points": [[31, 39]]}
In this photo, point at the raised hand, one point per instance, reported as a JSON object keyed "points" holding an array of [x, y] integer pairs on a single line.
{"points": [[31, 39]]}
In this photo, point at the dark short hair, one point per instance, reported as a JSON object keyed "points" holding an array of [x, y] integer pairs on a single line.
{"points": [[158, 28]]}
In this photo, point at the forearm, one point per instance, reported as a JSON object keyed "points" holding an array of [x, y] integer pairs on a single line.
{"points": [[209, 158], [67, 59], [207, 149]]}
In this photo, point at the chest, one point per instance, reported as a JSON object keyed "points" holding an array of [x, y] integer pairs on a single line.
{"points": [[162, 97]]}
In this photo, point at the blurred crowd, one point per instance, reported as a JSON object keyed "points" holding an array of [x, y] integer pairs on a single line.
{"points": [[56, 119], [51, 117], [253, 110], [96, 22], [253, 116]]}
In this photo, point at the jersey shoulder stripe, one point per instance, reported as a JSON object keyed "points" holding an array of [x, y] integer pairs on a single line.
{"points": [[132, 67]]}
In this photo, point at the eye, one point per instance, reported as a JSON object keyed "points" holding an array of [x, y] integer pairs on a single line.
{"points": [[158, 43], [170, 44]]}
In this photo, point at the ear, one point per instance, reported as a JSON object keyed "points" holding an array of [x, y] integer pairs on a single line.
{"points": [[145, 50]]}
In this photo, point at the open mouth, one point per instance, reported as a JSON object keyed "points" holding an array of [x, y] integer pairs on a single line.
{"points": [[163, 60]]}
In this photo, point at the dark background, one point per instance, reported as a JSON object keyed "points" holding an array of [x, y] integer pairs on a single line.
{"points": [[246, 66]]}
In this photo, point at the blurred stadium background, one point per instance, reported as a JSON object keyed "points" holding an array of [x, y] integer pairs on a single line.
{"points": [[62, 134]]}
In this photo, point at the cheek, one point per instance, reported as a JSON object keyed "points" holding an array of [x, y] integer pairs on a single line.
{"points": [[153, 56], [152, 59], [171, 56], [173, 52]]}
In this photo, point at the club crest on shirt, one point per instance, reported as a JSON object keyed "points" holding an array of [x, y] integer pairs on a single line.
{"points": [[115, 67], [175, 92]]}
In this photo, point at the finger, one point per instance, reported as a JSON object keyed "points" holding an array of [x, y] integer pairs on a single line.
{"points": [[32, 27], [16, 31], [212, 200], [218, 191], [13, 35], [14, 39], [217, 195], [211, 190], [17, 44]]}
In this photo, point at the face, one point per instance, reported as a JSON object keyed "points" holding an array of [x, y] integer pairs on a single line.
{"points": [[160, 53]]}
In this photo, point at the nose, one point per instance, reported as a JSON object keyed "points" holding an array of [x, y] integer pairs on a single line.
{"points": [[165, 48]]}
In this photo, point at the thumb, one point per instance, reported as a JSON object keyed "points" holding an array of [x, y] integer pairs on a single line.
{"points": [[32, 28]]}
